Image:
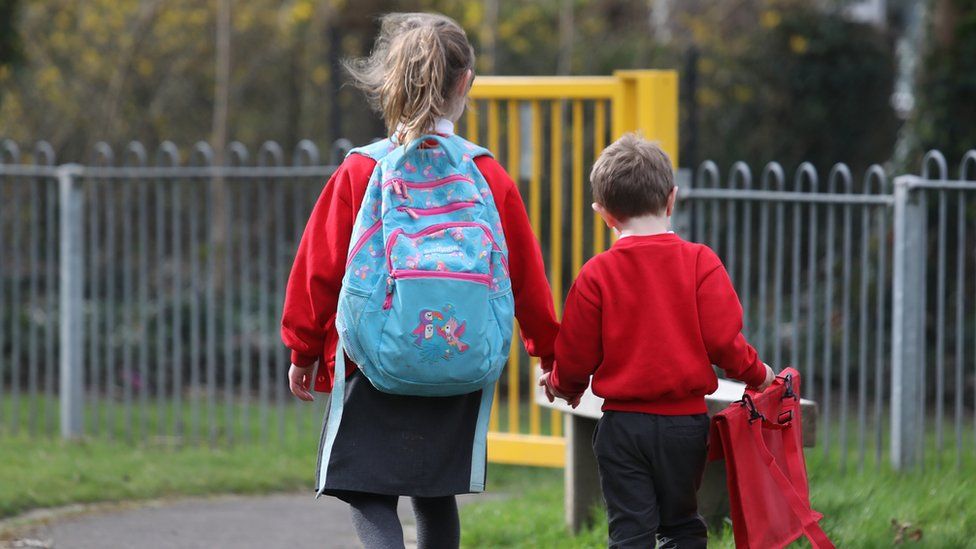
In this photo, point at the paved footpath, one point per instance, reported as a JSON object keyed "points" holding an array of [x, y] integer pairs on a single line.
{"points": [[292, 521]]}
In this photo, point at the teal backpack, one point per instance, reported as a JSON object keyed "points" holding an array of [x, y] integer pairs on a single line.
{"points": [[426, 305]]}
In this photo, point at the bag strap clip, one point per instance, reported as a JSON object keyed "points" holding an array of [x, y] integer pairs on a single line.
{"points": [[754, 413], [788, 382]]}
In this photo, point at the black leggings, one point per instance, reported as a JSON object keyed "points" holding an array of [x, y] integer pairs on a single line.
{"points": [[378, 526]]}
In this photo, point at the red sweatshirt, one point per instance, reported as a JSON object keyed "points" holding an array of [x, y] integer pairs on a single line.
{"points": [[647, 319], [308, 321]]}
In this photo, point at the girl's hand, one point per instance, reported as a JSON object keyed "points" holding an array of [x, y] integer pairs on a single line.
{"points": [[299, 381], [544, 383], [552, 393]]}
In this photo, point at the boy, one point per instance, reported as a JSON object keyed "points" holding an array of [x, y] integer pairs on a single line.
{"points": [[647, 319]]}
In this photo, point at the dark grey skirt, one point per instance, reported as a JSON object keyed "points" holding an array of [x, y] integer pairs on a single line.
{"points": [[403, 445]]}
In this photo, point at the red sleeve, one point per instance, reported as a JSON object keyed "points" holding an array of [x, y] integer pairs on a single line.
{"points": [[720, 319], [312, 294], [579, 347], [533, 296]]}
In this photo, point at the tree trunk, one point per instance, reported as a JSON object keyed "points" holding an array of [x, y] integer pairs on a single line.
{"points": [[218, 139], [489, 36], [909, 51], [335, 81], [221, 81], [295, 89], [564, 62]]}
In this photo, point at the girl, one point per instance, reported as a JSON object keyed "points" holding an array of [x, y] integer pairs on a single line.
{"points": [[385, 445]]}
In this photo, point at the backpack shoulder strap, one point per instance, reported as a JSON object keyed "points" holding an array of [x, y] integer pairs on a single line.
{"points": [[470, 148], [376, 150]]}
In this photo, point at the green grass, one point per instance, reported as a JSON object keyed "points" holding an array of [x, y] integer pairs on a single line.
{"points": [[41, 471], [236, 453], [37, 473], [859, 509], [530, 514]]}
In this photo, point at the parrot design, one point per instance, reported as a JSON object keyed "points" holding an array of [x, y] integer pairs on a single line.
{"points": [[425, 330], [452, 332]]}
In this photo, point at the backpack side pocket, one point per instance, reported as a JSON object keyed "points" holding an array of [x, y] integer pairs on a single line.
{"points": [[349, 315], [502, 307]]}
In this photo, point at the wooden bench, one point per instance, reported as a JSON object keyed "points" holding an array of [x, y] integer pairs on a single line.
{"points": [[582, 481]]}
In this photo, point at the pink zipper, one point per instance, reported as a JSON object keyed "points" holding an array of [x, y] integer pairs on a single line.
{"points": [[412, 273], [398, 183], [362, 241], [470, 277], [453, 207], [433, 229]]}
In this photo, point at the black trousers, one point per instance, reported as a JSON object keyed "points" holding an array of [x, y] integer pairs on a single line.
{"points": [[651, 467]]}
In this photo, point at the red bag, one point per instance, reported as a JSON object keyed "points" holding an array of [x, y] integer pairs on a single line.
{"points": [[760, 439]]}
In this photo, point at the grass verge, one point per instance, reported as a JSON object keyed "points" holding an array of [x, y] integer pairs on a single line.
{"points": [[38, 473], [859, 509]]}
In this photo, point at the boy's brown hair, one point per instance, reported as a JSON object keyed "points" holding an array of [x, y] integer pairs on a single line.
{"points": [[632, 177]]}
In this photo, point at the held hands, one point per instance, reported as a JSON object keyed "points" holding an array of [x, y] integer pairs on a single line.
{"points": [[300, 380], [770, 377], [552, 394]]}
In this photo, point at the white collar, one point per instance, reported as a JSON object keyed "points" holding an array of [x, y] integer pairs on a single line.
{"points": [[442, 126], [625, 234]]}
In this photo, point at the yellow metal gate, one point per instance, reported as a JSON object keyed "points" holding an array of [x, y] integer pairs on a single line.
{"points": [[581, 113]]}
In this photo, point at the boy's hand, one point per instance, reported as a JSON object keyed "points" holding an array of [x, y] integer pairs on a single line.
{"points": [[770, 377], [552, 394], [300, 380]]}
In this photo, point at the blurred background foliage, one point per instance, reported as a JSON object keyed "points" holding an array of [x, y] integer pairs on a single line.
{"points": [[790, 80], [945, 117]]}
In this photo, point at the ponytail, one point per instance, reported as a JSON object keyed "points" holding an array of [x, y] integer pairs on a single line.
{"points": [[412, 74]]}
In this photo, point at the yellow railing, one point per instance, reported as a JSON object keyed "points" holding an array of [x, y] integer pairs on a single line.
{"points": [[638, 100]]}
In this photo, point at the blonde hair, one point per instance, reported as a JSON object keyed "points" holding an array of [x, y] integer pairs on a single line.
{"points": [[411, 75], [632, 177]]}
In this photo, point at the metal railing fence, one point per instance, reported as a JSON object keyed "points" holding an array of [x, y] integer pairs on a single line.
{"points": [[808, 257], [934, 314], [139, 299], [164, 315]]}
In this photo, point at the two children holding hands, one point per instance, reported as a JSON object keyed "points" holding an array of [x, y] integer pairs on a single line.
{"points": [[646, 320]]}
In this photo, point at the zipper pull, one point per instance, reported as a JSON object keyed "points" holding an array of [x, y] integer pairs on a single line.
{"points": [[388, 302], [409, 211], [397, 188]]}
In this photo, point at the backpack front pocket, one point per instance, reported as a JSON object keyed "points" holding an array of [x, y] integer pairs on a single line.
{"points": [[440, 332]]}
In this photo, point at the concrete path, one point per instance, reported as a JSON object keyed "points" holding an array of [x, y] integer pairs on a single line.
{"points": [[239, 522]]}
